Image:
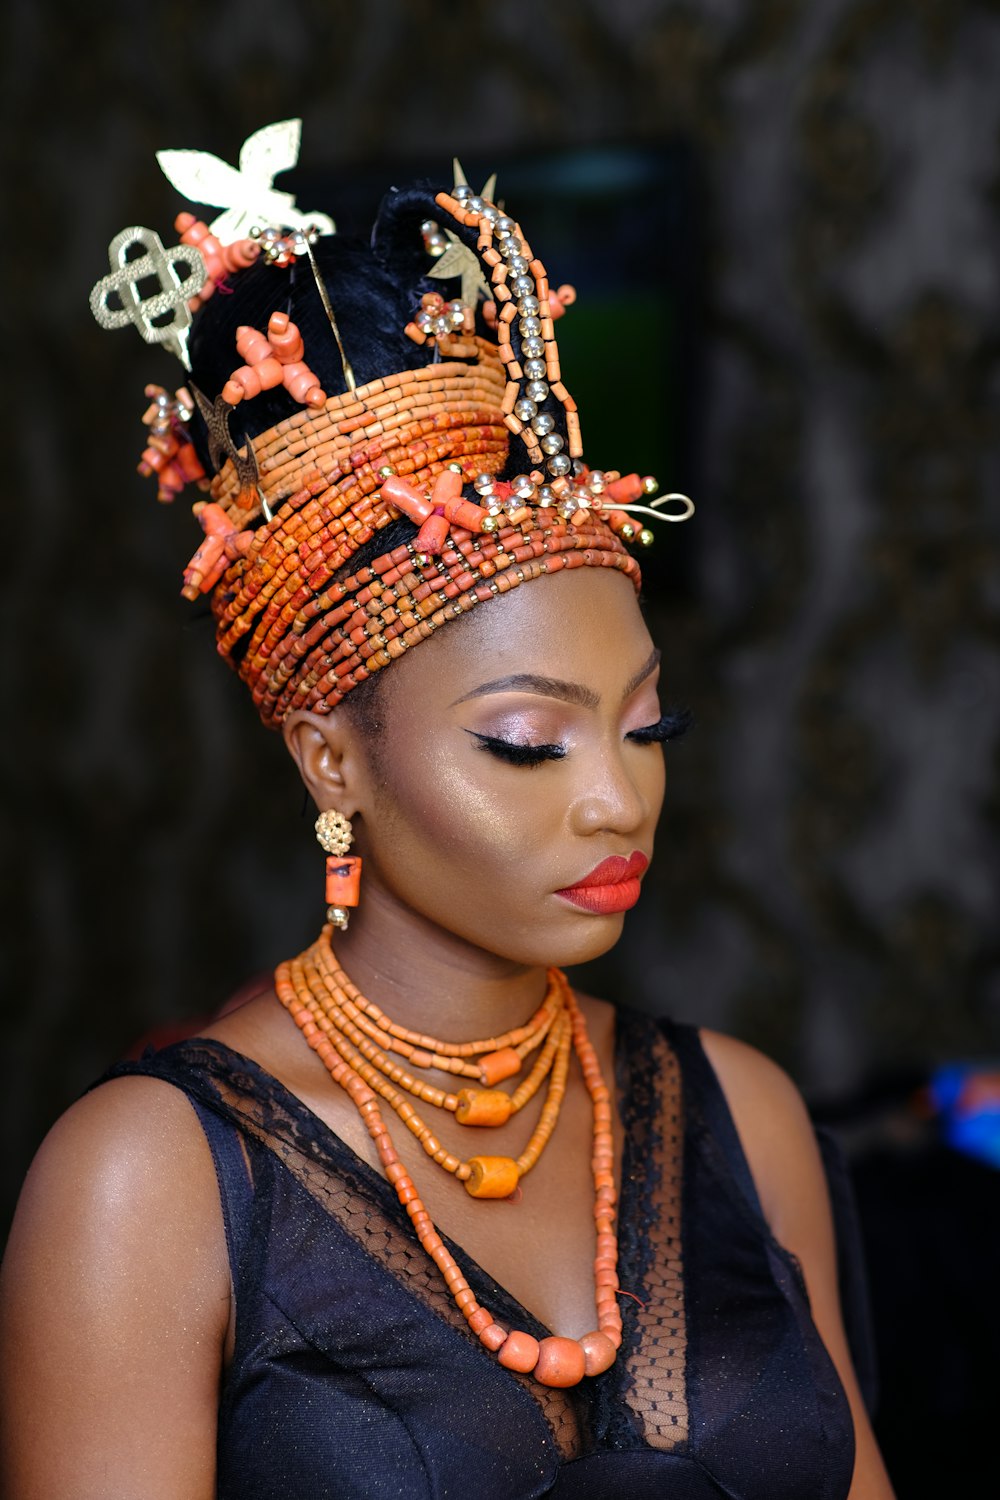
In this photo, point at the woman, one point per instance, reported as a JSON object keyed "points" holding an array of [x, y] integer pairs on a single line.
{"points": [[343, 1271]]}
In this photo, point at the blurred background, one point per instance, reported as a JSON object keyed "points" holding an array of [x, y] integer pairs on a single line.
{"points": [[793, 212]]}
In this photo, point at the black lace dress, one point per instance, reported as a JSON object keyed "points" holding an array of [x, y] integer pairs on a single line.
{"points": [[354, 1374]]}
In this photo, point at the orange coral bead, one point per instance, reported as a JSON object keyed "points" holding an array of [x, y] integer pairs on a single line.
{"points": [[465, 513], [483, 1107], [405, 497], [285, 339], [432, 535], [252, 346], [491, 1176], [519, 1352], [598, 1353], [302, 385], [561, 1362], [494, 1067]]}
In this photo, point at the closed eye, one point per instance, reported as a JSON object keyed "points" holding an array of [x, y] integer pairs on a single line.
{"points": [[672, 724], [516, 754]]}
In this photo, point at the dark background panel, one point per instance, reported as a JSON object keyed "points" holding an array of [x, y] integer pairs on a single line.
{"points": [[801, 203]]}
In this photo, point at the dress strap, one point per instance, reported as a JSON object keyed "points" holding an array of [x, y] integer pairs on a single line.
{"points": [[706, 1104], [235, 1182], [705, 1098]]}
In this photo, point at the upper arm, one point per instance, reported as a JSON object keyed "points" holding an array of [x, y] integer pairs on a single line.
{"points": [[114, 1304], [784, 1159]]}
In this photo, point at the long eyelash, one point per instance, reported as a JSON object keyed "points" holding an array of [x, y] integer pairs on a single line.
{"points": [[518, 755], [674, 723]]}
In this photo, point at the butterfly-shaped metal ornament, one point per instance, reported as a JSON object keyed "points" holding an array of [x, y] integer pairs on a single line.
{"points": [[247, 195], [458, 259], [222, 447]]}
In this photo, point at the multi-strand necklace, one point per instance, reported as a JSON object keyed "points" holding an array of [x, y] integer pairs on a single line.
{"points": [[359, 1046]]}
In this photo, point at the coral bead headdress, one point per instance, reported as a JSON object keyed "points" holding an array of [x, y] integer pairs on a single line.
{"points": [[373, 457]]}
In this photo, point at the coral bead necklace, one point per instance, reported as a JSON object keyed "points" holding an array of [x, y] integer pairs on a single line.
{"points": [[352, 1037]]}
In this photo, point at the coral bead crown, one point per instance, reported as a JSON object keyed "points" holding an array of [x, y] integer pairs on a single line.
{"points": [[374, 457]]}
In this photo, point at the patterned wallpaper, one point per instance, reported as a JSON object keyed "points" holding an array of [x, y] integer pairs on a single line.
{"points": [[827, 885]]}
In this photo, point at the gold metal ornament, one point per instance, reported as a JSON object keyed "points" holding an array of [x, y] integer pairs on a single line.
{"points": [[163, 317], [334, 832]]}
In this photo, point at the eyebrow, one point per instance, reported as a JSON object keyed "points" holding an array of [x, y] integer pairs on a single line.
{"points": [[553, 687]]}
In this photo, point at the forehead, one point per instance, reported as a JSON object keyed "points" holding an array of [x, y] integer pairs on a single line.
{"points": [[581, 625]]}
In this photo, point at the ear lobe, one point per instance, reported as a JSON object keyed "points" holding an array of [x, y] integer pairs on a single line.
{"points": [[318, 744]]}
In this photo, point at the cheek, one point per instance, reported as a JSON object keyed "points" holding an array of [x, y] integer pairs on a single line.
{"points": [[459, 816]]}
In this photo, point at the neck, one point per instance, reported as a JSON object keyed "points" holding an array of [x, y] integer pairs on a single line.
{"points": [[431, 980]]}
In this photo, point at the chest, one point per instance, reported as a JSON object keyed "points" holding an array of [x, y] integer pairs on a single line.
{"points": [[540, 1243]]}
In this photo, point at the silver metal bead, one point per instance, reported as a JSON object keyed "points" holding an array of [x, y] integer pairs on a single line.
{"points": [[491, 213], [527, 306], [505, 224], [483, 484], [525, 409], [522, 286], [534, 369], [476, 205], [536, 390], [559, 465], [552, 443], [518, 266], [546, 495], [530, 327], [523, 486], [542, 424], [533, 347], [462, 192]]}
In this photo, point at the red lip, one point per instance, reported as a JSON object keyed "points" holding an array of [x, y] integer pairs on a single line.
{"points": [[611, 886]]}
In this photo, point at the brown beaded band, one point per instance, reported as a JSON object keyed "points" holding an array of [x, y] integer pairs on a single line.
{"points": [[370, 423], [311, 640]]}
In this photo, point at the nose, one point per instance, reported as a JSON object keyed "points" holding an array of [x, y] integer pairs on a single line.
{"points": [[614, 795]]}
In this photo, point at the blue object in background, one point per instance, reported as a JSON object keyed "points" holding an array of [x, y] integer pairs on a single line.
{"points": [[966, 1097]]}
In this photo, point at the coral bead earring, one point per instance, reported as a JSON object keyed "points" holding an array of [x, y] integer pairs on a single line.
{"points": [[343, 872]]}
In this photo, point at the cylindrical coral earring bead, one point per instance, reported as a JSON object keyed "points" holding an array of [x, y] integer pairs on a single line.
{"points": [[343, 880], [496, 1066], [483, 1107], [491, 1176], [519, 1352], [561, 1362]]}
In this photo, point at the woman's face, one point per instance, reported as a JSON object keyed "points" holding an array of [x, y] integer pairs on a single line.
{"points": [[505, 772]]}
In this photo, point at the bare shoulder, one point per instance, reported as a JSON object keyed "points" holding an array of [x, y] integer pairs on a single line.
{"points": [[118, 1154], [773, 1125], [115, 1302]]}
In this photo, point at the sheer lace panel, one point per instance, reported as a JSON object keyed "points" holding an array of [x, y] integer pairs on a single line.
{"points": [[365, 1206], [654, 1386]]}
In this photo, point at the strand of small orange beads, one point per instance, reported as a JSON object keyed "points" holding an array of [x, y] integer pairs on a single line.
{"points": [[324, 1004]]}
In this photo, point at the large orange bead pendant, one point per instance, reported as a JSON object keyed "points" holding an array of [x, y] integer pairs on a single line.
{"points": [[491, 1176], [483, 1107]]}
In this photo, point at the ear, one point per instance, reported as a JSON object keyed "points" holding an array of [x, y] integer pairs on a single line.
{"points": [[325, 749]]}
